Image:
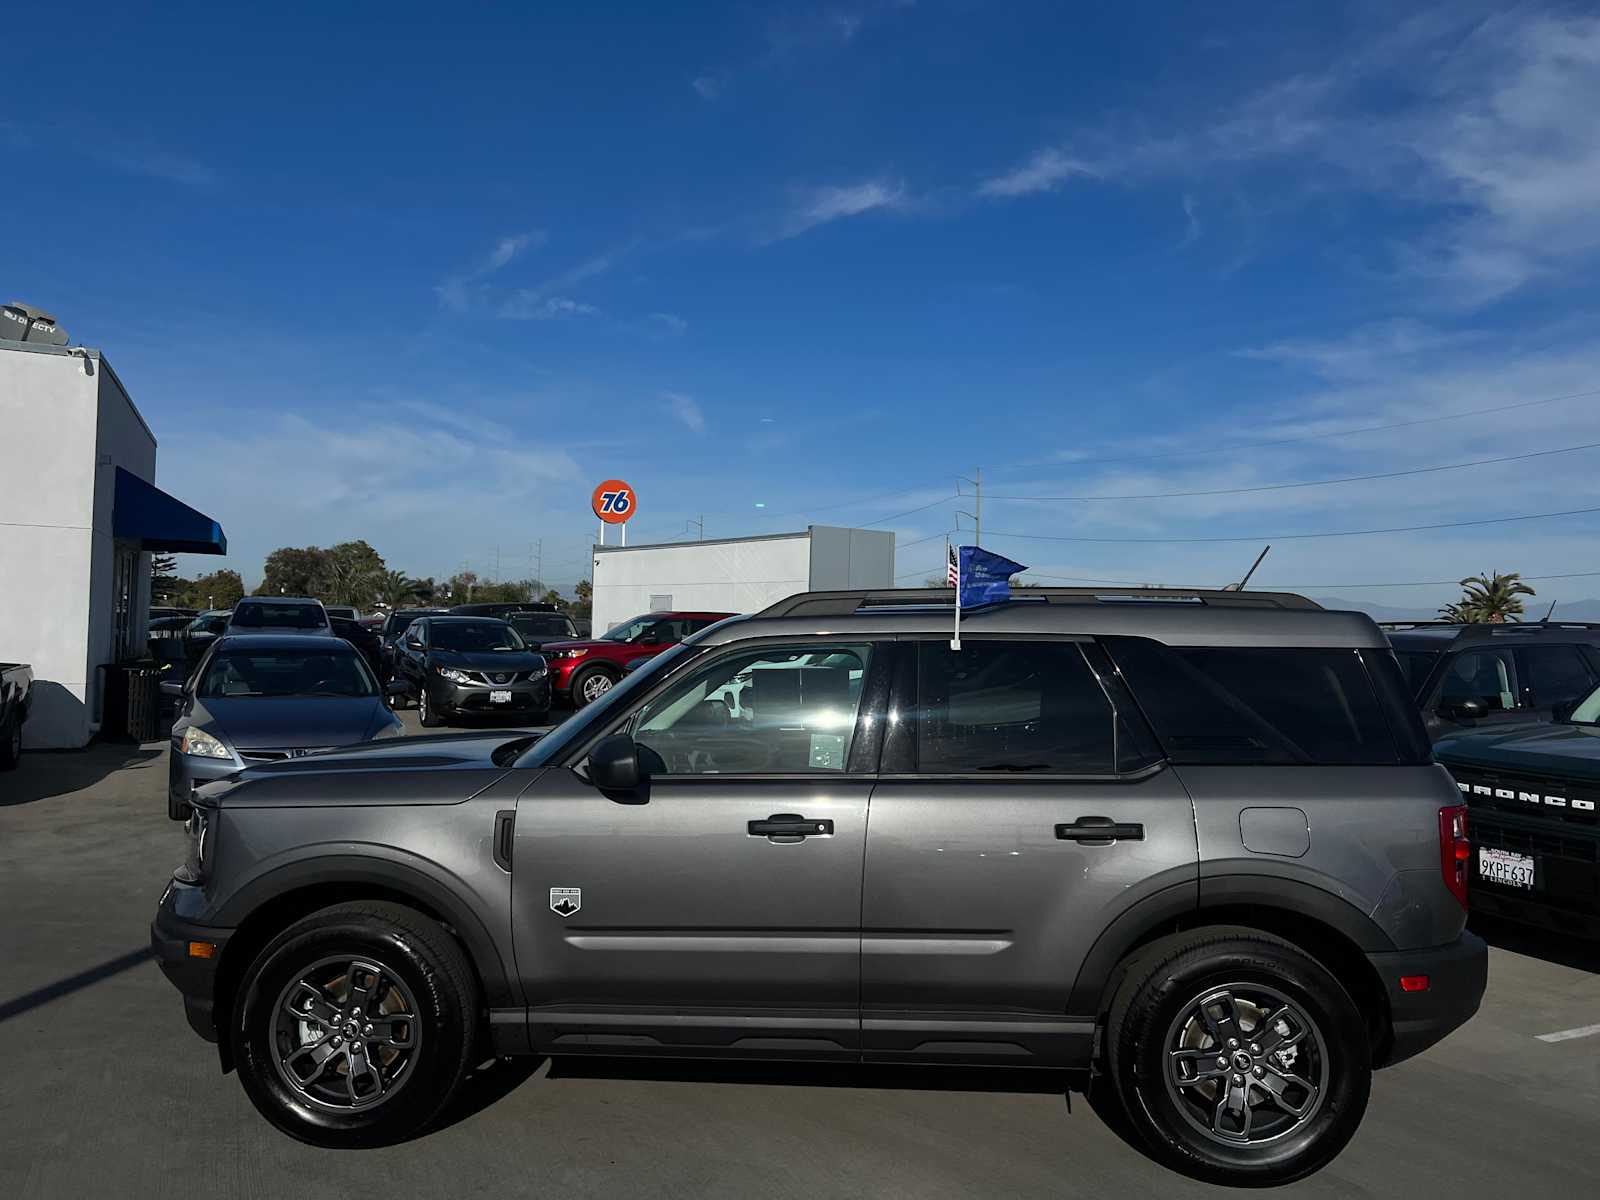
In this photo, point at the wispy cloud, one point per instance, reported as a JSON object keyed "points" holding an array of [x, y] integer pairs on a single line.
{"points": [[665, 324], [527, 306], [820, 205], [459, 292], [1372, 350], [686, 410], [707, 87], [1046, 171], [162, 164]]}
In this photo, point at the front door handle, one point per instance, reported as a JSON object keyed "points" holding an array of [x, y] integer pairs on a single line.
{"points": [[1099, 831], [789, 827]]}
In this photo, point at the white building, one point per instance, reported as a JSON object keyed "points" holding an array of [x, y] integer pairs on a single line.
{"points": [[736, 575], [79, 514]]}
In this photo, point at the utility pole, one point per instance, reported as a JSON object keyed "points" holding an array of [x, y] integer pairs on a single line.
{"points": [[976, 480]]}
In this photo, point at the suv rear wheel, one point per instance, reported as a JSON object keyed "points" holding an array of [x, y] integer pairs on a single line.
{"points": [[1238, 1058], [355, 1025]]}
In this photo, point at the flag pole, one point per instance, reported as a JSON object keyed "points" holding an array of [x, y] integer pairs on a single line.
{"points": [[955, 639]]}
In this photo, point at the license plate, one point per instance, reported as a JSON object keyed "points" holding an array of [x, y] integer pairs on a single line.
{"points": [[499, 697], [1505, 867]]}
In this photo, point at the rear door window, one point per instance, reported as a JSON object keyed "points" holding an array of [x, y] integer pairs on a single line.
{"points": [[996, 707], [1555, 675], [1258, 704], [1486, 675]]}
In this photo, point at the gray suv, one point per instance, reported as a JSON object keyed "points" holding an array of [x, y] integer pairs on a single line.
{"points": [[1192, 845]]}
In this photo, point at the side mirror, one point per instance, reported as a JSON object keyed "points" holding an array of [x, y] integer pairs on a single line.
{"points": [[614, 764], [414, 643], [172, 689], [1464, 710], [1562, 712]]}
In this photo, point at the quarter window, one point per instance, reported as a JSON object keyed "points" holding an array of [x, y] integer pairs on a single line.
{"points": [[1257, 704], [1011, 708], [788, 710]]}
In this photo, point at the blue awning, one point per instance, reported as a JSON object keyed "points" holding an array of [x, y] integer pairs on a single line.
{"points": [[143, 513]]}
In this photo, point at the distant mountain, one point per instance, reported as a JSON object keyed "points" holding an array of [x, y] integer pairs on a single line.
{"points": [[1573, 610]]}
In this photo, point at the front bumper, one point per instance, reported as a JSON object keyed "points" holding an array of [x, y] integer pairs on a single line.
{"points": [[185, 772], [527, 697], [171, 933], [1457, 975]]}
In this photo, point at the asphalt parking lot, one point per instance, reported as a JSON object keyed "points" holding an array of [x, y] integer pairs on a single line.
{"points": [[106, 1090]]}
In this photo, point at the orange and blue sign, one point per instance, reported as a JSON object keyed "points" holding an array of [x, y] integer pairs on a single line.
{"points": [[614, 501]]}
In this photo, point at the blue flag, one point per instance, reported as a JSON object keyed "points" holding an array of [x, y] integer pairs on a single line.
{"points": [[985, 577]]}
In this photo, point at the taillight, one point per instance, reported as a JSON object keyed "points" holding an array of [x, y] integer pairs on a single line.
{"points": [[1455, 852]]}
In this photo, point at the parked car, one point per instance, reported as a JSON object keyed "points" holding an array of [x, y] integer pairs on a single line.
{"points": [[395, 624], [500, 609], [259, 698], [469, 666], [583, 670], [1490, 676], [16, 697], [158, 611], [297, 616], [363, 639], [163, 632], [1198, 848], [1533, 794], [347, 611], [537, 628]]}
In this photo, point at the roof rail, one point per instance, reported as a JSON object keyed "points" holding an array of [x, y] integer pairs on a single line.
{"points": [[1488, 629], [837, 604]]}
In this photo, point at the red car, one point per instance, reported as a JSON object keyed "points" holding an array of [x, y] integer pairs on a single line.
{"points": [[583, 671]]}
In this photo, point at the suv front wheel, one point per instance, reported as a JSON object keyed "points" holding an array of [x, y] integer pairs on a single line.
{"points": [[355, 1025], [1238, 1058]]}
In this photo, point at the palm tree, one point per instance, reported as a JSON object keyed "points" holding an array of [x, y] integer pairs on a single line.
{"points": [[1456, 614], [396, 587], [1494, 598]]}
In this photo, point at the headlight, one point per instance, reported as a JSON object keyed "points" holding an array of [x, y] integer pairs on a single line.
{"points": [[453, 675], [538, 672], [566, 654], [201, 838], [202, 745], [390, 731]]}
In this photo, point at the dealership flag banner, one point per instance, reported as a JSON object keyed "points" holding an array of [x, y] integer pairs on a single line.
{"points": [[979, 578]]}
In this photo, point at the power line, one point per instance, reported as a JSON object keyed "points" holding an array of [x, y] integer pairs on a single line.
{"points": [[907, 513], [1313, 437], [1285, 537], [1430, 582], [1275, 487]]}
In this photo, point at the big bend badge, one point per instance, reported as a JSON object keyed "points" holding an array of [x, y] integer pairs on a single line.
{"points": [[565, 901]]}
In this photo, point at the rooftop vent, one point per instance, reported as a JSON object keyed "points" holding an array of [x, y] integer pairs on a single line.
{"points": [[21, 322]]}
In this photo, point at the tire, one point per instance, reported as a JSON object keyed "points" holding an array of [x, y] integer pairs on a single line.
{"points": [[405, 961], [1192, 993], [590, 684], [426, 716], [11, 743]]}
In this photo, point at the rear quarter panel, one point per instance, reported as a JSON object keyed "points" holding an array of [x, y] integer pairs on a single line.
{"points": [[1371, 840]]}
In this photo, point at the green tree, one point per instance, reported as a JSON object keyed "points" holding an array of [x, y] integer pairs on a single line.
{"points": [[397, 589], [292, 571], [166, 585], [352, 572], [583, 606], [1494, 598], [220, 589]]}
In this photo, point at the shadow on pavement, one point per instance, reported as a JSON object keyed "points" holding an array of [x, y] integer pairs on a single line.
{"points": [[73, 983], [45, 773], [1564, 949]]}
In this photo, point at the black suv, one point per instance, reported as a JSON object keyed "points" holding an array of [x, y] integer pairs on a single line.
{"points": [[1487, 676]]}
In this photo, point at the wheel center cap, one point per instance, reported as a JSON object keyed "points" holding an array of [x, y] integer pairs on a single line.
{"points": [[1242, 1061], [351, 1029]]}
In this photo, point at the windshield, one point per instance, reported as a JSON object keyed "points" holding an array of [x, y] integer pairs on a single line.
{"points": [[537, 625], [286, 616], [1588, 711], [630, 630], [578, 726], [474, 636], [337, 671], [1415, 665]]}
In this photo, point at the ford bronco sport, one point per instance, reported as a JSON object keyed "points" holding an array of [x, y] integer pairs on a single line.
{"points": [[1190, 844]]}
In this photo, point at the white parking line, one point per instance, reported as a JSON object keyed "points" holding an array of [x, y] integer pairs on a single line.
{"points": [[1566, 1035]]}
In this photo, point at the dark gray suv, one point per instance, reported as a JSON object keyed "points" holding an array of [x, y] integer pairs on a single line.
{"points": [[1190, 844]]}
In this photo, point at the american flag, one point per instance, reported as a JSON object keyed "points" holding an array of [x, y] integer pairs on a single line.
{"points": [[953, 568]]}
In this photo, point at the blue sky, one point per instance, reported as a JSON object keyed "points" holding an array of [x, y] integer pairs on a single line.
{"points": [[425, 276]]}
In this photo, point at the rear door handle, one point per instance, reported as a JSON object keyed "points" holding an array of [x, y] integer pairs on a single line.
{"points": [[1099, 831], [789, 827]]}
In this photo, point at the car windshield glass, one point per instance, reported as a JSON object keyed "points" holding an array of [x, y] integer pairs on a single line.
{"points": [[1588, 712], [630, 629], [602, 711], [474, 636], [1415, 665], [287, 616], [272, 672]]}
